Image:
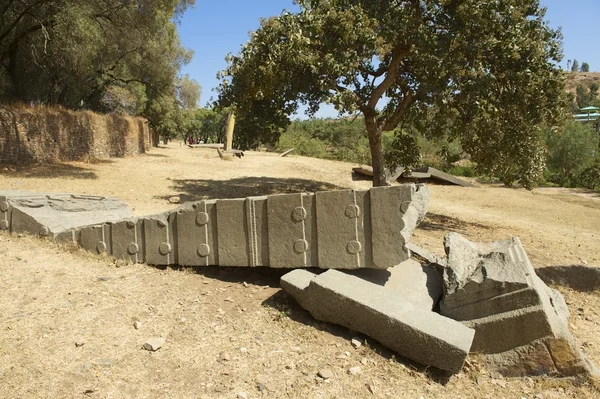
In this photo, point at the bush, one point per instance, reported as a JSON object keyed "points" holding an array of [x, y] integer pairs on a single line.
{"points": [[571, 151], [466, 171], [590, 177]]}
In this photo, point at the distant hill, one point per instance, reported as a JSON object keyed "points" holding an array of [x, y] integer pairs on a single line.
{"points": [[585, 78]]}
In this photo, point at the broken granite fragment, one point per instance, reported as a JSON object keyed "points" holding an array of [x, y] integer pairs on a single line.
{"points": [[383, 314], [493, 288]]}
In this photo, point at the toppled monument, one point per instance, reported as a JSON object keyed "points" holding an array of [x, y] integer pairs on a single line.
{"points": [[493, 289], [483, 298], [347, 229], [56, 215]]}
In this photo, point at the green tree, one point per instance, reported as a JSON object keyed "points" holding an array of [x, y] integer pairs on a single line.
{"points": [[487, 65], [188, 92], [571, 150], [582, 96], [585, 67], [104, 55], [210, 124], [575, 67]]}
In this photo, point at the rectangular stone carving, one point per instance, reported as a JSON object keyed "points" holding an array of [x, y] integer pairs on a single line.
{"points": [[127, 240], [345, 229], [339, 223], [289, 226], [388, 208], [196, 234], [232, 233], [96, 239], [159, 245]]}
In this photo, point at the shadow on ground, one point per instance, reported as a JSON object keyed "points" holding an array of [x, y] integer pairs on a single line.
{"points": [[437, 222], [47, 171], [262, 276], [154, 155], [286, 306], [197, 189]]}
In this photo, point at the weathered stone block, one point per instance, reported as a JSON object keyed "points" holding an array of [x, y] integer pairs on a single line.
{"points": [[486, 279], [127, 240], [385, 315], [289, 224], [422, 284], [494, 289], [405, 209], [160, 247], [196, 234], [96, 239], [52, 214], [232, 233], [340, 228]]}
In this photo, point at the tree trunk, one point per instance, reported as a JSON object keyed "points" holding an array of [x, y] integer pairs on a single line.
{"points": [[374, 133]]}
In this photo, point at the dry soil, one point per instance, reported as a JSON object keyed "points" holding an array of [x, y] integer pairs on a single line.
{"points": [[67, 317]]}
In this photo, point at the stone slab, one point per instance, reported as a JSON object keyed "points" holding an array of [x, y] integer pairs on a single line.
{"points": [[160, 247], [421, 284], [347, 229], [232, 233], [127, 240], [56, 213], [385, 315], [196, 234], [428, 172]]}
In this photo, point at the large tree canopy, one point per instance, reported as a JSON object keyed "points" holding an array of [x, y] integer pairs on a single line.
{"points": [[104, 55], [483, 68]]}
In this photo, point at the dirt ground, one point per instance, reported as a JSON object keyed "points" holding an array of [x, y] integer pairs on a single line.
{"points": [[67, 316]]}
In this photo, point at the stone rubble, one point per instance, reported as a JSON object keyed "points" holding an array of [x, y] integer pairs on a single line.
{"points": [[383, 314], [483, 299], [521, 323]]}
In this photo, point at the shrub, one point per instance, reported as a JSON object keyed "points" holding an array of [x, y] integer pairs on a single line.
{"points": [[571, 151], [590, 177]]}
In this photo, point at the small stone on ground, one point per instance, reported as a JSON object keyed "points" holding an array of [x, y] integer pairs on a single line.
{"points": [[154, 344], [325, 374]]}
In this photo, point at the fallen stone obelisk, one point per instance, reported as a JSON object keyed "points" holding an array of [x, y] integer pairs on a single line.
{"points": [[347, 229], [383, 314], [493, 288], [56, 215]]}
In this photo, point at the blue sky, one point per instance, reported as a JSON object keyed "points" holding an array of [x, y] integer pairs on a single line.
{"points": [[214, 28]]}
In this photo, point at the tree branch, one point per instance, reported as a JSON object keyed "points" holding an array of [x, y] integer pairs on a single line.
{"points": [[18, 19], [398, 55], [127, 81], [375, 73], [391, 122]]}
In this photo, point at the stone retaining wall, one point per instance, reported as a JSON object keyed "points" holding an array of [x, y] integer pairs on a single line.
{"points": [[42, 134]]}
